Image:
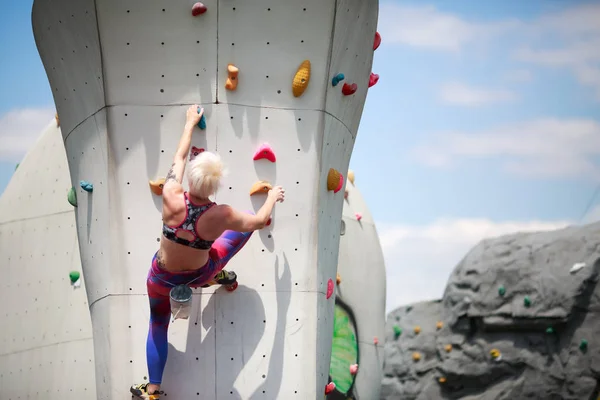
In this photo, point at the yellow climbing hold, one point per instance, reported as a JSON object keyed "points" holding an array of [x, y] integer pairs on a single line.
{"points": [[57, 120], [416, 356], [260, 187], [439, 325], [351, 176], [232, 79], [448, 348], [157, 186], [338, 279], [442, 379], [495, 353], [300, 82], [417, 330], [335, 180]]}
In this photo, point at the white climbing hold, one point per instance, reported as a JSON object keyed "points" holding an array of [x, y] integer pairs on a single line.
{"points": [[576, 267]]}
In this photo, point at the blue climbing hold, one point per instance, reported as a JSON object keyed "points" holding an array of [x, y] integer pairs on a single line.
{"points": [[88, 187], [202, 123], [337, 79]]}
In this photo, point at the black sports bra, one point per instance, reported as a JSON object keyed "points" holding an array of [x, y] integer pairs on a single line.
{"points": [[193, 212]]}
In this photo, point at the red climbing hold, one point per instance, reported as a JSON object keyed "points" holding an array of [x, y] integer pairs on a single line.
{"points": [[349, 89], [373, 79], [377, 41], [265, 151], [198, 9], [329, 288], [195, 151], [268, 222], [329, 387]]}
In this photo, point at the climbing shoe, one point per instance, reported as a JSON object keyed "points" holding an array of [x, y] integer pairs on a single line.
{"points": [[141, 392]]}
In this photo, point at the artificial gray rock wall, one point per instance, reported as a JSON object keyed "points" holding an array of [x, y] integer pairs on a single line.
{"points": [[519, 319]]}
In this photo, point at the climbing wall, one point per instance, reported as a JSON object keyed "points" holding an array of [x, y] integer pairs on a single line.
{"points": [[122, 75], [46, 334], [359, 329]]}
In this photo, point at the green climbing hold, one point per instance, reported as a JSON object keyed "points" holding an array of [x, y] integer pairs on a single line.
{"points": [[583, 345], [397, 331], [550, 330], [526, 301], [408, 308], [74, 276], [17, 166], [72, 197], [344, 350], [501, 290]]}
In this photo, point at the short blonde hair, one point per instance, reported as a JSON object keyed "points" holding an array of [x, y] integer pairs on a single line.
{"points": [[205, 173]]}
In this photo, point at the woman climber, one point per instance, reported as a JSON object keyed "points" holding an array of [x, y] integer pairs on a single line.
{"points": [[199, 238]]}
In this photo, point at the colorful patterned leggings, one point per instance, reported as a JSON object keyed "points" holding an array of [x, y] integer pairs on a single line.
{"points": [[160, 283]]}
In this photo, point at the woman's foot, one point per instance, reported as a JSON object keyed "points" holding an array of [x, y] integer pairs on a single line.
{"points": [[146, 391]]}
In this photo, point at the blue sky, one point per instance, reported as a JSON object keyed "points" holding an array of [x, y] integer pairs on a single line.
{"points": [[485, 120]]}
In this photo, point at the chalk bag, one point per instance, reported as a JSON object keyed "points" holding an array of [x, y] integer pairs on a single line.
{"points": [[181, 301]]}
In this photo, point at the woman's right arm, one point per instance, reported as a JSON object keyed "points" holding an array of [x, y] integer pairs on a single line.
{"points": [[244, 222]]}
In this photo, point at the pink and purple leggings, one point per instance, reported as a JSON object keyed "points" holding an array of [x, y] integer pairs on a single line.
{"points": [[222, 250]]}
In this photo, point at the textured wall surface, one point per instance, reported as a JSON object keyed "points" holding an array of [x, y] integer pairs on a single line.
{"points": [[122, 75], [521, 314], [46, 334]]}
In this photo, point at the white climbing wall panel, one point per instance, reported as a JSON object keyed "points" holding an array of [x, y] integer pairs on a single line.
{"points": [[46, 335], [123, 73]]}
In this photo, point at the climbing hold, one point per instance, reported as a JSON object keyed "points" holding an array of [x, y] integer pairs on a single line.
{"points": [[408, 309], [265, 151], [337, 79], [439, 325], [377, 41], [198, 9], [576, 267], [501, 290], [88, 187], [17, 166], [351, 176], [526, 301], [57, 120], [260, 187], [495, 354], [550, 330], [335, 180], [347, 89], [232, 77], [202, 122], [157, 186], [416, 356], [375, 341], [346, 193], [397, 331], [358, 216], [417, 330], [268, 222], [373, 79], [301, 79], [353, 369], [338, 279], [442, 379], [329, 288], [195, 152], [583, 345], [72, 197], [448, 348], [74, 276], [329, 387]]}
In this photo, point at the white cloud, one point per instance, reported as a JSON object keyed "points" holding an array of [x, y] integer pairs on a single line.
{"points": [[19, 129], [541, 148], [420, 259], [460, 94]]}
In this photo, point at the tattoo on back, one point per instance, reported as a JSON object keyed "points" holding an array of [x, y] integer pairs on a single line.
{"points": [[171, 175]]}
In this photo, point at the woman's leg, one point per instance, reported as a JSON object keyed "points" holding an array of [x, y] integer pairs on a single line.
{"points": [[156, 343]]}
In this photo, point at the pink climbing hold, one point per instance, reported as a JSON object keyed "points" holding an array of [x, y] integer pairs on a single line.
{"points": [[329, 387], [377, 41], [329, 288], [265, 151], [358, 216], [375, 341], [198, 9], [349, 89], [353, 369], [373, 79]]}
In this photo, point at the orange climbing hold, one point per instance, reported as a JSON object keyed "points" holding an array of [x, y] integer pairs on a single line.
{"points": [[416, 356], [448, 348], [377, 41], [338, 279], [157, 186], [335, 180], [442, 379], [300, 82], [348, 89], [198, 9], [265, 151], [373, 79], [57, 120], [330, 387], [417, 329], [260, 187], [232, 77], [351, 176], [439, 325]]}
